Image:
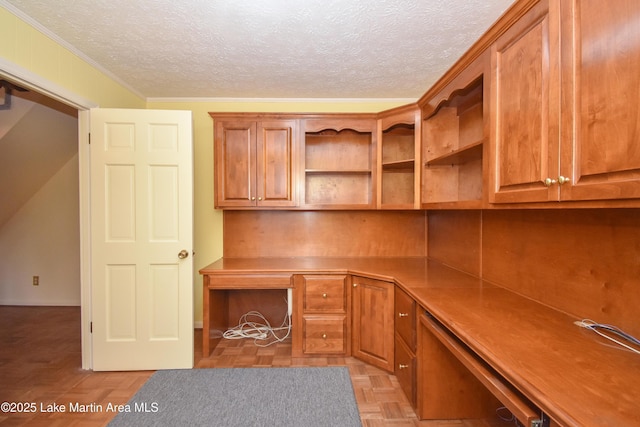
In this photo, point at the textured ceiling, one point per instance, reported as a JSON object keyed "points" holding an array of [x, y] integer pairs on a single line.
{"points": [[268, 48]]}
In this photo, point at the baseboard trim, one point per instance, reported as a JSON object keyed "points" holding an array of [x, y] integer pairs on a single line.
{"points": [[40, 303]]}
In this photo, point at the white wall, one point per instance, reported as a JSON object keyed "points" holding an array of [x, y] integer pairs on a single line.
{"points": [[43, 239]]}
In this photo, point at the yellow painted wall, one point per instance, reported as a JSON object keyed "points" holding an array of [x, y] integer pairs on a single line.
{"points": [[27, 47]]}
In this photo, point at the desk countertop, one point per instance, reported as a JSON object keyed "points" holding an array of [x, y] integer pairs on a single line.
{"points": [[573, 375]]}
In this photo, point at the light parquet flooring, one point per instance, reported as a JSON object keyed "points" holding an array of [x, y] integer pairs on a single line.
{"points": [[40, 361]]}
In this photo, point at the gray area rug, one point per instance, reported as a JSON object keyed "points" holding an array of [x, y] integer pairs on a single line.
{"points": [[275, 397]]}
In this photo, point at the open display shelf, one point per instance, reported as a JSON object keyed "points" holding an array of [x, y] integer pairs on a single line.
{"points": [[338, 168], [453, 144], [398, 166]]}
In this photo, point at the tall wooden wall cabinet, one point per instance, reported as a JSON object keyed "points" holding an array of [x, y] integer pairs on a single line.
{"points": [[564, 100], [255, 162]]}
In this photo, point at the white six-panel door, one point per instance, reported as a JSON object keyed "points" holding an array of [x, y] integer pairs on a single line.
{"points": [[141, 239]]}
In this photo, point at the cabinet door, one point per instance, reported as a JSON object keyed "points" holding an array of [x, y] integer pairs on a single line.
{"points": [[235, 154], [373, 322], [277, 154], [603, 158], [525, 104]]}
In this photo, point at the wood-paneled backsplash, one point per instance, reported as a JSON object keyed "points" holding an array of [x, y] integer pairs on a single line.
{"points": [[585, 262], [324, 233]]}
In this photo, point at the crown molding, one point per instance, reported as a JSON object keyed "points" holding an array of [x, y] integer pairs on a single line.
{"points": [[53, 36], [285, 100]]}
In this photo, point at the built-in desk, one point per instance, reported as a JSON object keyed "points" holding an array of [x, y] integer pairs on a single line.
{"points": [[567, 372]]}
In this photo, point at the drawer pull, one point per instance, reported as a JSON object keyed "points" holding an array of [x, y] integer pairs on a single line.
{"points": [[401, 366], [403, 314], [324, 336], [324, 296]]}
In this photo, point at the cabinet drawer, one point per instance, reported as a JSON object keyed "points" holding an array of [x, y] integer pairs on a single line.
{"points": [[405, 369], [405, 312], [324, 335], [326, 294]]}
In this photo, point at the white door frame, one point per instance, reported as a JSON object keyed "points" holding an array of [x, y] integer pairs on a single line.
{"points": [[32, 81]]}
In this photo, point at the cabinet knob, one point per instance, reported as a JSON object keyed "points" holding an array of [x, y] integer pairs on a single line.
{"points": [[401, 366], [324, 336], [253, 199], [259, 199], [549, 182], [403, 314], [355, 285], [324, 295], [563, 180]]}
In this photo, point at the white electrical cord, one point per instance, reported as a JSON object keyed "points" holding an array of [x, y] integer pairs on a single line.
{"points": [[254, 325], [596, 327], [505, 415]]}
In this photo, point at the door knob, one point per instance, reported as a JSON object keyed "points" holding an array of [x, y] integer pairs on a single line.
{"points": [[183, 254]]}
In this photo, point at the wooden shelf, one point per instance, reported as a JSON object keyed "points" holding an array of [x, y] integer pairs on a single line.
{"points": [[458, 204], [399, 153], [458, 157], [337, 171], [339, 166], [400, 165], [453, 138]]}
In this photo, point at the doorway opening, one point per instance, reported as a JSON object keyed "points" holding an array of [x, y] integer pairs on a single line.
{"points": [[39, 213]]}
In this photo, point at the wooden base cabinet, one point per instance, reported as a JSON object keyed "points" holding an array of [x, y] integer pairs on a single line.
{"points": [[405, 344], [373, 322], [321, 320]]}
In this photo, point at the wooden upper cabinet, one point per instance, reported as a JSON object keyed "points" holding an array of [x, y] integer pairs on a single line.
{"points": [[525, 109], [255, 163], [601, 82], [565, 112]]}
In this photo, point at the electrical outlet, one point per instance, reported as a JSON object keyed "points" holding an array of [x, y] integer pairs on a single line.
{"points": [[36, 280]]}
